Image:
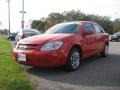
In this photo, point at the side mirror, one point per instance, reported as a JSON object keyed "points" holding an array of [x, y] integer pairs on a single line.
{"points": [[88, 32]]}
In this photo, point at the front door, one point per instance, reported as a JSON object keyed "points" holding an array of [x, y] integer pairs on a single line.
{"points": [[89, 44]]}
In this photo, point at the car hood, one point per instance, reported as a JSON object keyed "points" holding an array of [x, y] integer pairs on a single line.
{"points": [[113, 35], [39, 39]]}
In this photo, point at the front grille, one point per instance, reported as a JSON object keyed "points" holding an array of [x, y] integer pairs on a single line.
{"points": [[27, 46]]}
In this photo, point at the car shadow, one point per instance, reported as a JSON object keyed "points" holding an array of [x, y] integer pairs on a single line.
{"points": [[94, 71]]}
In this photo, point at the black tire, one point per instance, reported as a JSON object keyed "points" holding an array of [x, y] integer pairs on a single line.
{"points": [[73, 62], [118, 40], [104, 53]]}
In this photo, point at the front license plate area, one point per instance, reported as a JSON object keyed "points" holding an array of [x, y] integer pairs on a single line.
{"points": [[21, 57]]}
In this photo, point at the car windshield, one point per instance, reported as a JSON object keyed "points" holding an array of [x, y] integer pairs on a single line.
{"points": [[64, 28]]}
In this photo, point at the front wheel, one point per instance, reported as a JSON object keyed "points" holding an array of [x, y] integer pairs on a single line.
{"points": [[74, 59], [104, 53]]}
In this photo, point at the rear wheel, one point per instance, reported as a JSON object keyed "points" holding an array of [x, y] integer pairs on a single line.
{"points": [[104, 53], [74, 59], [118, 39]]}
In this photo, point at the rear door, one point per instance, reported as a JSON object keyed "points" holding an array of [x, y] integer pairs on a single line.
{"points": [[99, 37]]}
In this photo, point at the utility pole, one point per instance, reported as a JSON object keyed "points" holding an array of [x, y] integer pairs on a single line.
{"points": [[9, 25], [22, 12]]}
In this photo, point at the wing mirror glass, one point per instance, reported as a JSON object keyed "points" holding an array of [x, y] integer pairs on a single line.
{"points": [[88, 32]]}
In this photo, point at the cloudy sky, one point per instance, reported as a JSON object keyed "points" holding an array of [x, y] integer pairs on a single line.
{"points": [[41, 8]]}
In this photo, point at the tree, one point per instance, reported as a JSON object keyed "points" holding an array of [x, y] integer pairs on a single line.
{"points": [[116, 25], [38, 24], [54, 18], [73, 15], [4, 31]]}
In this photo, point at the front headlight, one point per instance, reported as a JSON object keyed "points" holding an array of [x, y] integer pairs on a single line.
{"points": [[52, 45]]}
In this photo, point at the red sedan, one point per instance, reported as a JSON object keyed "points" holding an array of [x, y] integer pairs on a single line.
{"points": [[63, 44]]}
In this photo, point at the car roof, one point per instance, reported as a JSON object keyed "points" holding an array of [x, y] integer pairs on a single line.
{"points": [[79, 22], [117, 33]]}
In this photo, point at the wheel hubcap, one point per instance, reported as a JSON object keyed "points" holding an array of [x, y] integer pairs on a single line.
{"points": [[75, 59]]}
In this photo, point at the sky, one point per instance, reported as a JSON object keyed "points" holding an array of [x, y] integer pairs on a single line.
{"points": [[36, 9]]}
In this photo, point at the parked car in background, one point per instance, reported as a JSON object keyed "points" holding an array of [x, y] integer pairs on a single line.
{"points": [[26, 33], [115, 36], [11, 36], [63, 44]]}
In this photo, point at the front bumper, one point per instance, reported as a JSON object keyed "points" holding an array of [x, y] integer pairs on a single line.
{"points": [[42, 58]]}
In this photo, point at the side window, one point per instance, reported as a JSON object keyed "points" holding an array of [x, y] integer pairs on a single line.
{"points": [[97, 29], [101, 29], [88, 27]]}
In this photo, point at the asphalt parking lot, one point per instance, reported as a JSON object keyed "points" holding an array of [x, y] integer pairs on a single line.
{"points": [[95, 73]]}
